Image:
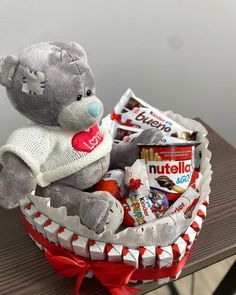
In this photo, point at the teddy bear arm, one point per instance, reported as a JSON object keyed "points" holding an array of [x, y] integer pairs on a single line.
{"points": [[16, 181], [124, 155]]}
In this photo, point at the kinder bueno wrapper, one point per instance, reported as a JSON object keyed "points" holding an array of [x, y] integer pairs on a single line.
{"points": [[123, 134], [134, 112], [186, 203], [113, 182], [170, 167]]}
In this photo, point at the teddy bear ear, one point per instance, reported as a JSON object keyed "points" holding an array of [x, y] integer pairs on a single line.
{"points": [[80, 51], [8, 65]]}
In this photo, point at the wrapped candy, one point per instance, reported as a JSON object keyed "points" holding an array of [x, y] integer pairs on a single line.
{"points": [[170, 167], [134, 112], [113, 182], [137, 205], [160, 202]]}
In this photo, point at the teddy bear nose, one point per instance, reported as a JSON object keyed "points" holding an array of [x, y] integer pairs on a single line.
{"points": [[94, 110]]}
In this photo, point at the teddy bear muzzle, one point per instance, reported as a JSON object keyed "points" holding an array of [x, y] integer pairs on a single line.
{"points": [[80, 115]]}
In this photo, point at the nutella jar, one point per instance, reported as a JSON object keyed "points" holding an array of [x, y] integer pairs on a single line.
{"points": [[170, 168]]}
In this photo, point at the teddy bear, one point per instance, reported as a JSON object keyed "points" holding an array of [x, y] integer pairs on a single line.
{"points": [[63, 150]]}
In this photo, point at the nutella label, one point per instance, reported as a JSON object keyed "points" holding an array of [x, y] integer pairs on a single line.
{"points": [[167, 175], [170, 168]]}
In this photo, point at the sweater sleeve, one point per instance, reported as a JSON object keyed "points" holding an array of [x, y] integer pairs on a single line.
{"points": [[31, 144]]}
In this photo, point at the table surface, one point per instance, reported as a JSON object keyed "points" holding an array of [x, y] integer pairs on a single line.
{"points": [[23, 269]]}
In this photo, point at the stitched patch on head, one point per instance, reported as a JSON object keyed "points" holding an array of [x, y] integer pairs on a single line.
{"points": [[33, 82]]}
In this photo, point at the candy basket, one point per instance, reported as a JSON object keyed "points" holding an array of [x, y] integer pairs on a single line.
{"points": [[129, 256]]}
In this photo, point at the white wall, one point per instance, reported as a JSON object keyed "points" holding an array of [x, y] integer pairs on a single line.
{"points": [[176, 54]]}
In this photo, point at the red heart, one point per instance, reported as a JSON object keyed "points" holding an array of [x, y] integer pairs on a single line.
{"points": [[86, 141]]}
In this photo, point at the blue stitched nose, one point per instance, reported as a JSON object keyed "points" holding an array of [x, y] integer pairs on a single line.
{"points": [[94, 110]]}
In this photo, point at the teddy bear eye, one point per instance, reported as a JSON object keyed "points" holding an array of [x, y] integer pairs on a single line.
{"points": [[79, 97], [88, 92]]}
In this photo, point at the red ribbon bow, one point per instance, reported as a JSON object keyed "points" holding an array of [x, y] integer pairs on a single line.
{"points": [[134, 184], [112, 276]]}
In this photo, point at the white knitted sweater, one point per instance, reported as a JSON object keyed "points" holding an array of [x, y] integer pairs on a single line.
{"points": [[53, 153]]}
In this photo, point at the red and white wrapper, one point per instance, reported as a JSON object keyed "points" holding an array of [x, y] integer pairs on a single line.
{"points": [[134, 112], [114, 252], [131, 257], [164, 259], [197, 224], [179, 251], [202, 211], [122, 134], [65, 237], [189, 237], [206, 202], [24, 202], [147, 258], [113, 182], [80, 245], [185, 202], [97, 250], [51, 229], [30, 211], [39, 222]]}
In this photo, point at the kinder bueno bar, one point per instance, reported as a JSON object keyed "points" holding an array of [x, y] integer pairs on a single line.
{"points": [[172, 140], [65, 237], [97, 250], [39, 222], [51, 229], [164, 259], [81, 248], [23, 203], [170, 167], [197, 224], [179, 251], [189, 236], [114, 252], [30, 211], [206, 202], [80, 245], [147, 258], [134, 112], [123, 134], [131, 257], [186, 203], [202, 211], [113, 182]]}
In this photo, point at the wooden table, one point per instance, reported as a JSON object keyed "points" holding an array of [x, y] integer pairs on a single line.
{"points": [[24, 271]]}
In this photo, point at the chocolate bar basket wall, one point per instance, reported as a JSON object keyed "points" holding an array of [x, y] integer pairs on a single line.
{"points": [[133, 221]]}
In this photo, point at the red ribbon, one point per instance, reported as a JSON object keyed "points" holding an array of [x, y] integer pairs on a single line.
{"points": [[113, 276]]}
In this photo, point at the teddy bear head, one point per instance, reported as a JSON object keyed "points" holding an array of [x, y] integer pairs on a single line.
{"points": [[52, 84]]}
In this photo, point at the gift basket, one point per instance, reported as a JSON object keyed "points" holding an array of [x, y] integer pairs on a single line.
{"points": [[164, 195]]}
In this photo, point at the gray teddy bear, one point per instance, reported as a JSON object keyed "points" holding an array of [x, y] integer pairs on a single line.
{"points": [[63, 150]]}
